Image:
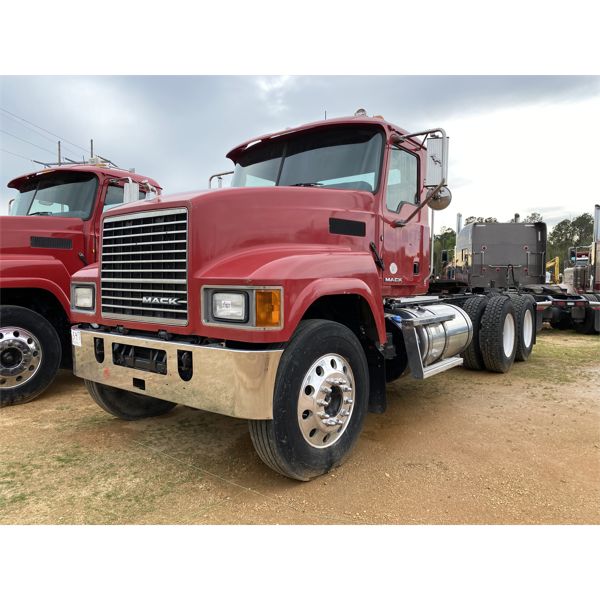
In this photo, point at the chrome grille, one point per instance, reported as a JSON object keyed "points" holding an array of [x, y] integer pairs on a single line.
{"points": [[144, 267]]}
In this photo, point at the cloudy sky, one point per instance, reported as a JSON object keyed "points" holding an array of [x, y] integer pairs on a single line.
{"points": [[517, 143]]}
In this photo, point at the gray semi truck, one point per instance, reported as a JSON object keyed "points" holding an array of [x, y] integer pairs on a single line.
{"points": [[510, 258]]}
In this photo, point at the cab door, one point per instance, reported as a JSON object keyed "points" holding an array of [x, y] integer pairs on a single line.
{"points": [[405, 253]]}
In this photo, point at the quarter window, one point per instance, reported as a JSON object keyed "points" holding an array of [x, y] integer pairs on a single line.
{"points": [[402, 184]]}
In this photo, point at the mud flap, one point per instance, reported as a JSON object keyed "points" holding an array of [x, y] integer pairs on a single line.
{"points": [[377, 394]]}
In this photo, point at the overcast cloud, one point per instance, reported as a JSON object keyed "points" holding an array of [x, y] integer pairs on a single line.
{"points": [[518, 144]]}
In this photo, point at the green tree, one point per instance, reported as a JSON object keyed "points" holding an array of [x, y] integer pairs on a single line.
{"points": [[445, 240], [534, 217], [470, 220], [567, 233]]}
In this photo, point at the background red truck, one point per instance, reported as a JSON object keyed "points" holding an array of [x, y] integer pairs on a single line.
{"points": [[51, 232], [289, 299]]}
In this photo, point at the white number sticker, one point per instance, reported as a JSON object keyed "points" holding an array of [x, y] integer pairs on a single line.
{"points": [[76, 337]]}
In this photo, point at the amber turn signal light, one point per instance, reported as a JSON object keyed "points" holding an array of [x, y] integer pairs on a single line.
{"points": [[268, 308]]}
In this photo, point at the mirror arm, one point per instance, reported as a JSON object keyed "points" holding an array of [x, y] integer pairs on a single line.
{"points": [[420, 207]]}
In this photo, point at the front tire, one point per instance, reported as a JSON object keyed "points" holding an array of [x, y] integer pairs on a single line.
{"points": [[30, 353], [319, 404], [125, 405]]}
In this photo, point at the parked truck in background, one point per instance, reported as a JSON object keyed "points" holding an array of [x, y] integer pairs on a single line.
{"points": [[52, 231], [289, 299], [510, 258]]}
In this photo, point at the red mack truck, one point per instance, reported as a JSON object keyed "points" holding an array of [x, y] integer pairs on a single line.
{"points": [[289, 299], [52, 231]]}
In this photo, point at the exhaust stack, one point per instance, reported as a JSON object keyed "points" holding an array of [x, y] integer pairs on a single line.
{"points": [[597, 223], [459, 222]]}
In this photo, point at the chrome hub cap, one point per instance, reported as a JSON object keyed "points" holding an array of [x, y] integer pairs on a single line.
{"points": [[20, 356], [508, 335], [326, 400]]}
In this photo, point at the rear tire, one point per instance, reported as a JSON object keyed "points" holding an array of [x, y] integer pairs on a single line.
{"points": [[498, 334], [125, 405], [313, 430], [472, 356], [30, 354], [525, 316], [587, 327]]}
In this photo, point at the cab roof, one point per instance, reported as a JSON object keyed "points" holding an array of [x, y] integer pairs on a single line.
{"points": [[379, 121], [96, 169]]}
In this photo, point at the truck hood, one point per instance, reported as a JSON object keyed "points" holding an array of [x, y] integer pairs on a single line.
{"points": [[16, 233], [233, 221], [41, 247]]}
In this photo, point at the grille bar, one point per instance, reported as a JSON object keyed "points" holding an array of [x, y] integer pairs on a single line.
{"points": [[152, 288]]}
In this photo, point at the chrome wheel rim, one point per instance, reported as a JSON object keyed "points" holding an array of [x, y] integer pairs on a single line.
{"points": [[326, 400], [527, 328], [20, 356], [508, 335]]}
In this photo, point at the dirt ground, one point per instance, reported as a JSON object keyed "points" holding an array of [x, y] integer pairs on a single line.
{"points": [[461, 447]]}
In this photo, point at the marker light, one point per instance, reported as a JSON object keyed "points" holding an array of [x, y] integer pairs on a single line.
{"points": [[268, 308]]}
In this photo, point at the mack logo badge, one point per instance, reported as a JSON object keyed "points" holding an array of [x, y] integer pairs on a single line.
{"points": [[158, 300]]}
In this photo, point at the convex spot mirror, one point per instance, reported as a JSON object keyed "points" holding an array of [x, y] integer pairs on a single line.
{"points": [[441, 199]]}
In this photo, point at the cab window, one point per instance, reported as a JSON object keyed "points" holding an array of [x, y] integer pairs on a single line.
{"points": [[114, 197], [402, 182]]}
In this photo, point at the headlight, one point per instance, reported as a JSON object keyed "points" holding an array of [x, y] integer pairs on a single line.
{"points": [[83, 297], [230, 306], [250, 307]]}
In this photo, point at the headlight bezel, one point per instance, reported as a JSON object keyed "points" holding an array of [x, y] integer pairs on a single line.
{"points": [[84, 285], [208, 319]]}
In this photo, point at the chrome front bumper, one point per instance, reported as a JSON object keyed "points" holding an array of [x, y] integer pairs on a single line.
{"points": [[237, 383]]}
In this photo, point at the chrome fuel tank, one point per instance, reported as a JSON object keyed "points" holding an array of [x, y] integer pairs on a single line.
{"points": [[439, 340]]}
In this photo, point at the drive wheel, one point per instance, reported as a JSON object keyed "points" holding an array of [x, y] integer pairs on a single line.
{"points": [[125, 405], [472, 356], [587, 326], [498, 334], [319, 403], [525, 317], [30, 354]]}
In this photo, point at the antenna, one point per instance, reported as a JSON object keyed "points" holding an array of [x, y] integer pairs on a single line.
{"points": [[59, 152], [326, 114], [91, 148]]}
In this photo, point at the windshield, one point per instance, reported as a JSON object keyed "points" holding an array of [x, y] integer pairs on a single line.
{"points": [[57, 195], [342, 158]]}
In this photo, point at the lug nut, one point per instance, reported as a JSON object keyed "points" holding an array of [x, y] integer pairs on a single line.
{"points": [[325, 389], [322, 403]]}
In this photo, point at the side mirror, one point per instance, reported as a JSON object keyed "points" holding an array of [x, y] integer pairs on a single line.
{"points": [[437, 161], [572, 255], [444, 256], [11, 203], [441, 199], [131, 192]]}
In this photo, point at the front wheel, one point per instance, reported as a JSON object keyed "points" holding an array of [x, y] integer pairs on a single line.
{"points": [[319, 403], [125, 405], [30, 354]]}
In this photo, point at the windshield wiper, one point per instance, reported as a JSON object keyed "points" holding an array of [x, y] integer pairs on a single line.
{"points": [[310, 184], [40, 212]]}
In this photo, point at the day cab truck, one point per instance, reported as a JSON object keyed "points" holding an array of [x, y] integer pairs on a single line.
{"points": [[288, 299], [52, 231], [510, 258]]}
